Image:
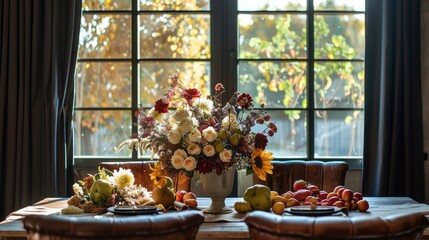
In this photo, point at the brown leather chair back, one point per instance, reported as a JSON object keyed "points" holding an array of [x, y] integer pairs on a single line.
{"points": [[169, 226], [141, 173], [325, 175], [268, 226]]}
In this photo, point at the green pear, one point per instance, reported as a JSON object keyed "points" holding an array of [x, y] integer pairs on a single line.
{"points": [[100, 191], [259, 197]]}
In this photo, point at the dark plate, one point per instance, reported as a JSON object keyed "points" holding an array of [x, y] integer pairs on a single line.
{"points": [[135, 211], [135, 208], [307, 211]]}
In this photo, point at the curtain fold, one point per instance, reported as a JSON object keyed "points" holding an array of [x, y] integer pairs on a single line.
{"points": [[393, 143], [38, 49]]}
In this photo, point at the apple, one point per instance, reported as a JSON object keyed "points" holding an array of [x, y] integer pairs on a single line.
{"points": [[301, 194], [340, 191], [358, 195], [323, 194], [337, 187], [313, 189], [274, 193], [191, 202], [188, 195], [292, 202], [179, 195], [311, 199], [333, 199], [339, 204], [331, 194], [347, 195], [287, 195], [349, 205], [299, 184], [362, 205]]}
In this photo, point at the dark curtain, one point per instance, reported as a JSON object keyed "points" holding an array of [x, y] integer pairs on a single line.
{"points": [[393, 155], [38, 48]]}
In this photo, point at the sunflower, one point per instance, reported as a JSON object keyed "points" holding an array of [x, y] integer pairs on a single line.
{"points": [[157, 175], [261, 163]]}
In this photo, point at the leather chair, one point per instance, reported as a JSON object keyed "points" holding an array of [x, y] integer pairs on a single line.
{"points": [[169, 226], [141, 173], [325, 175], [268, 226]]}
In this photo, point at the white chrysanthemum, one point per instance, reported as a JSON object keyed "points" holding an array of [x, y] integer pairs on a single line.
{"points": [[177, 161], [225, 155], [123, 178], [193, 149], [189, 164], [230, 122], [77, 189], [174, 136], [195, 135], [210, 134], [205, 105]]}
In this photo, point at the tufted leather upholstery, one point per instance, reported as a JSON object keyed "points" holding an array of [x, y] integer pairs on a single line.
{"points": [[180, 225], [141, 173], [268, 226], [325, 175]]}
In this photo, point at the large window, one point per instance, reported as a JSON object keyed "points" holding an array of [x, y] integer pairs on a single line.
{"points": [[304, 59]]}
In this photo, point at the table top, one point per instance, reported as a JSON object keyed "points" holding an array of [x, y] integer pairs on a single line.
{"points": [[216, 226]]}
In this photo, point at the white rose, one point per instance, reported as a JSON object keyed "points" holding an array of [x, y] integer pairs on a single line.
{"points": [[209, 150], [77, 189], [193, 149], [181, 115], [195, 135], [174, 136], [225, 155], [186, 126], [189, 163], [181, 152], [230, 122], [210, 134], [177, 161]]}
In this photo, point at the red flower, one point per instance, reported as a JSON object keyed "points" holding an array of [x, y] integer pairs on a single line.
{"points": [[245, 101], [161, 105], [191, 93], [261, 141], [205, 165], [219, 87]]}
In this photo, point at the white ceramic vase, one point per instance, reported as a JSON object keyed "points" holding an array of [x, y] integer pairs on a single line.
{"points": [[218, 187]]}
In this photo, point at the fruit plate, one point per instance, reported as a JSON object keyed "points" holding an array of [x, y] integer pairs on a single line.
{"points": [[307, 211], [133, 210]]}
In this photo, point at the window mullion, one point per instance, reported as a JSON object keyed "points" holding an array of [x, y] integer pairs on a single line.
{"points": [[310, 79], [134, 67]]}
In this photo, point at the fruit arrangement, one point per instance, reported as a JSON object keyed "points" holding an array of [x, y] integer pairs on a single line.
{"points": [[259, 197], [188, 198]]}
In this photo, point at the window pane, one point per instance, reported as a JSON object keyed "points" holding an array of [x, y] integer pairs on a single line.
{"points": [[339, 36], [271, 5], [339, 84], [105, 36], [272, 36], [291, 137], [98, 132], [106, 5], [278, 84], [338, 134], [104, 84], [346, 5], [154, 78], [188, 5], [174, 36]]}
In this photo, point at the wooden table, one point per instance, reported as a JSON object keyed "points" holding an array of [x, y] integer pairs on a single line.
{"points": [[232, 226]]}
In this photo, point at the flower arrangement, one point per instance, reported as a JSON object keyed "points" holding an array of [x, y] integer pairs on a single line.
{"points": [[197, 135], [95, 193]]}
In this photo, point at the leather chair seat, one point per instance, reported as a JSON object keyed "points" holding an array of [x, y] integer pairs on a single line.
{"points": [[325, 175], [141, 173], [268, 226], [170, 226]]}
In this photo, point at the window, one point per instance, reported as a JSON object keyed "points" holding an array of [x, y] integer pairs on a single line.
{"points": [[304, 59]]}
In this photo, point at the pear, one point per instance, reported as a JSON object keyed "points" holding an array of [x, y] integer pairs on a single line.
{"points": [[163, 195]]}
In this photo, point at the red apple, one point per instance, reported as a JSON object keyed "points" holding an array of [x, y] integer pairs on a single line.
{"points": [[340, 191], [301, 194], [323, 194], [339, 204], [337, 187], [313, 189], [333, 199], [189, 195], [179, 195], [331, 194], [299, 184], [191, 202], [349, 205], [362, 205], [358, 195], [347, 195]]}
